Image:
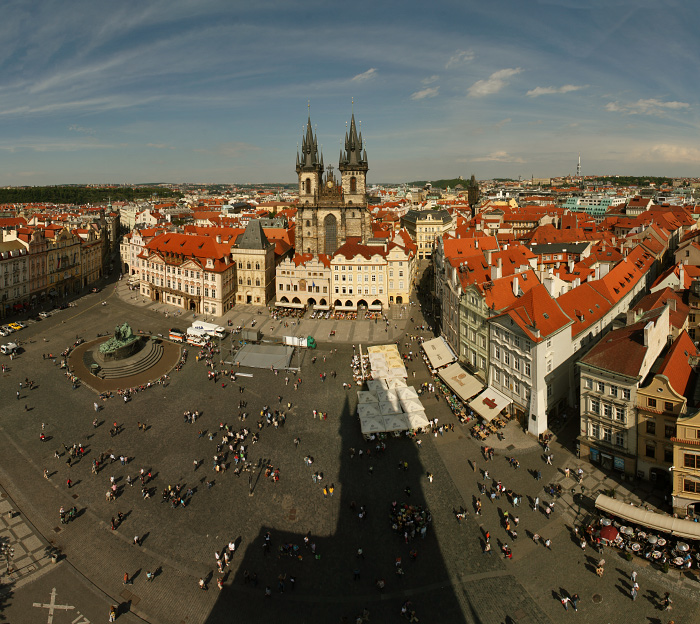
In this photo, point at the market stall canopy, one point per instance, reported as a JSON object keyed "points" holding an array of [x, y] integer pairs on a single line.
{"points": [[464, 385], [406, 393], [388, 408], [412, 405], [370, 425], [288, 304], [395, 384], [397, 422], [366, 397], [376, 384], [417, 420], [365, 410], [489, 403], [686, 529], [438, 352]]}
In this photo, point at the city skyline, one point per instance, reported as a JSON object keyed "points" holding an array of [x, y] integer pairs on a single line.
{"points": [[216, 92]]}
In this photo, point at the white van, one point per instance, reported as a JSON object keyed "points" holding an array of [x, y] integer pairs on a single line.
{"points": [[10, 347]]}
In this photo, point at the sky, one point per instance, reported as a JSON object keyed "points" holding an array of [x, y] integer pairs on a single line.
{"points": [[219, 91]]}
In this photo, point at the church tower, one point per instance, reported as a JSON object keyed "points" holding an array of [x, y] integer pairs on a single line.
{"points": [[309, 167], [331, 210], [353, 167]]}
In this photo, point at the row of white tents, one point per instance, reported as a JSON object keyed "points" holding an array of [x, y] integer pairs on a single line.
{"points": [[389, 405]]}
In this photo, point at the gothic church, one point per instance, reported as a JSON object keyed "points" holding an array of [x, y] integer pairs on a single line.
{"points": [[328, 211]]}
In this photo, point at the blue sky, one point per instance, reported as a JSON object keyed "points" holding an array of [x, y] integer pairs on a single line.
{"points": [[217, 91]]}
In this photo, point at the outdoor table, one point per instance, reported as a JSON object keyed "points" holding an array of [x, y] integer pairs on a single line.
{"points": [[642, 535], [606, 522], [661, 542], [678, 561], [636, 547], [656, 554]]}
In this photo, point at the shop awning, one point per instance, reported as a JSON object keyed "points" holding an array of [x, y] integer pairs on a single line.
{"points": [[464, 385], [285, 304], [318, 306], [489, 403], [439, 352], [685, 529], [374, 308], [346, 308]]}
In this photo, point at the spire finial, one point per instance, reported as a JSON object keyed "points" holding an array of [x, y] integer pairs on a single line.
{"points": [[352, 105], [308, 106]]}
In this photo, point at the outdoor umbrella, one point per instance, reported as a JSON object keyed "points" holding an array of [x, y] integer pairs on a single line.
{"points": [[682, 546], [627, 530], [608, 533], [652, 539]]}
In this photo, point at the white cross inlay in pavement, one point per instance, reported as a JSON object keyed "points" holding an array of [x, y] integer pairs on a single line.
{"points": [[52, 606]]}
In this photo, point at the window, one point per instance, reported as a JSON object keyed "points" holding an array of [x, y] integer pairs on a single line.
{"points": [[691, 461], [549, 343], [588, 383], [526, 369], [516, 363], [497, 376], [595, 404], [668, 406], [607, 434], [650, 450], [607, 410], [506, 358], [496, 353], [516, 341], [601, 387], [620, 438], [595, 431], [691, 486], [549, 366], [613, 391], [670, 431], [550, 390], [651, 403], [626, 394], [668, 455]]}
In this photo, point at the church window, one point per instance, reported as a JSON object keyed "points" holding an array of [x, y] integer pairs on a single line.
{"points": [[249, 282], [353, 184], [257, 266], [331, 243], [308, 223], [308, 185], [257, 282], [249, 266]]}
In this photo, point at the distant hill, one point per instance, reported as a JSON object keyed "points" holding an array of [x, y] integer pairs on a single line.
{"points": [[78, 195], [442, 184], [641, 181]]}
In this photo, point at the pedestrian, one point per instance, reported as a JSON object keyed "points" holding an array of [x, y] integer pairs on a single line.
{"points": [[46, 473], [149, 576], [548, 544], [487, 548], [567, 471], [634, 591], [69, 483], [325, 491], [565, 601], [574, 601], [137, 542], [331, 489], [633, 576], [539, 475], [126, 578], [202, 584], [536, 504], [667, 601]]}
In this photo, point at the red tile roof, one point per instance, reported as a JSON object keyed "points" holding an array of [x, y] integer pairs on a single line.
{"points": [[676, 365]]}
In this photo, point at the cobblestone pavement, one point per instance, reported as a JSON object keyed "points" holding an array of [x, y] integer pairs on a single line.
{"points": [[451, 580]]}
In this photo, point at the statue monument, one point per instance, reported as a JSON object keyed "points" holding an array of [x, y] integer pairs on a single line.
{"points": [[122, 344]]}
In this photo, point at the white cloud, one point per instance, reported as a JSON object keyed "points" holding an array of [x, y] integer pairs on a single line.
{"points": [[81, 129], [430, 79], [494, 83], [430, 92], [651, 106], [503, 157], [537, 91], [668, 153], [461, 56], [370, 73]]}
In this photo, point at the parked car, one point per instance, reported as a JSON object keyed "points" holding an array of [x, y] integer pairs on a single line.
{"points": [[95, 289], [9, 329], [4, 333], [44, 315], [17, 326]]}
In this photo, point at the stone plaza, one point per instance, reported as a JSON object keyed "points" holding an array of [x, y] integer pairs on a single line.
{"points": [[446, 576]]}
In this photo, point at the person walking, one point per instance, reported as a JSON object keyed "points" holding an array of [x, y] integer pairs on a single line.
{"points": [[574, 601], [565, 601], [667, 601], [634, 591], [127, 580]]}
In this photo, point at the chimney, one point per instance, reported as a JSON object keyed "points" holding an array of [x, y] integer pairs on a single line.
{"points": [[488, 253], [597, 272], [681, 277], [672, 304], [218, 238], [647, 332], [476, 243], [516, 286]]}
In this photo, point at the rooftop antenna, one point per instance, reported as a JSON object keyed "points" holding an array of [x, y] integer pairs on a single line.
{"points": [[578, 167]]}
